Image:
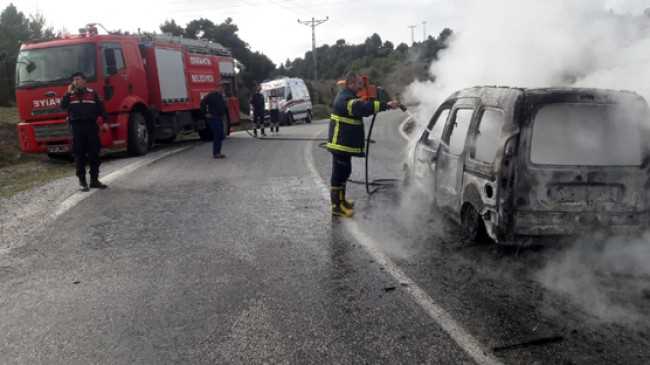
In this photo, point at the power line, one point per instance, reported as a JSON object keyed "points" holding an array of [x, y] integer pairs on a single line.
{"points": [[313, 23]]}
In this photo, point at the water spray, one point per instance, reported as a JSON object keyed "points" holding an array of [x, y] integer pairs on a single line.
{"points": [[377, 183]]}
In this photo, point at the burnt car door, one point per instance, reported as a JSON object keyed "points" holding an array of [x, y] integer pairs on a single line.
{"points": [[426, 150], [451, 155]]}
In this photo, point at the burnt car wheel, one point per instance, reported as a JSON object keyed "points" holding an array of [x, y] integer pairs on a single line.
{"points": [[472, 225]]}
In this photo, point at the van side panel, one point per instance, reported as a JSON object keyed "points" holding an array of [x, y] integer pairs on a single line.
{"points": [[488, 187]]}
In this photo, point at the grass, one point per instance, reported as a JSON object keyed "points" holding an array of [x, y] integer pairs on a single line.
{"points": [[28, 175], [19, 171]]}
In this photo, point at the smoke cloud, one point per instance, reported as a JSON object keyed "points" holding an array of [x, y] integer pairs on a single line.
{"points": [[528, 43], [608, 278], [557, 43]]}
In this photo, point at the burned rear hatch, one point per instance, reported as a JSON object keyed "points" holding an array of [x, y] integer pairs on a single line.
{"points": [[583, 160]]}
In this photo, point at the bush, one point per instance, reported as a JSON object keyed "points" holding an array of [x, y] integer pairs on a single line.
{"points": [[321, 111]]}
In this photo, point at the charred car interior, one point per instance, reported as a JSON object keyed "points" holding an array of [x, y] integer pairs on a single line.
{"points": [[507, 163]]}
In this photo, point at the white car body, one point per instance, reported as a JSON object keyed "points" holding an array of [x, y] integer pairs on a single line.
{"points": [[292, 96]]}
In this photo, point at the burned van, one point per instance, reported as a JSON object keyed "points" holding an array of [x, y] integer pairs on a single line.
{"points": [[508, 163]]}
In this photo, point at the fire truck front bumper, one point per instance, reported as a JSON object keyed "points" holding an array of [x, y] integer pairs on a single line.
{"points": [[51, 136]]}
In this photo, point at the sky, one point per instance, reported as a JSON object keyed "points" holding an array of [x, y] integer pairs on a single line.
{"points": [[271, 26]]}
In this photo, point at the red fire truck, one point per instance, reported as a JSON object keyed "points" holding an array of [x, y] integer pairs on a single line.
{"points": [[152, 87]]}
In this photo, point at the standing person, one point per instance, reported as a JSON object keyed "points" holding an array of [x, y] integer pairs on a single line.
{"points": [[346, 138], [84, 108], [213, 107], [257, 105], [274, 106]]}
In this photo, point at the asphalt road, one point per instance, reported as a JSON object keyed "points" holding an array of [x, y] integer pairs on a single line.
{"points": [[195, 260]]}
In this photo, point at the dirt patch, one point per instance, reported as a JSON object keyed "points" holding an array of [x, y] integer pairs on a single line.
{"points": [[9, 151], [19, 171], [27, 175]]}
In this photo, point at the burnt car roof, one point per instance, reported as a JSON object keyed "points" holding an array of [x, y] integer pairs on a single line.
{"points": [[502, 95], [584, 95]]}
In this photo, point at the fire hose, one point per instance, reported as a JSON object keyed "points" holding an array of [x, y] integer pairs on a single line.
{"points": [[378, 184]]}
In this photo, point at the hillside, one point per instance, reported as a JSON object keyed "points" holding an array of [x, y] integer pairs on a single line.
{"points": [[391, 67]]}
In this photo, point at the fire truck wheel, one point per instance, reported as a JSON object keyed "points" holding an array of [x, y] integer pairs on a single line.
{"points": [[138, 143]]}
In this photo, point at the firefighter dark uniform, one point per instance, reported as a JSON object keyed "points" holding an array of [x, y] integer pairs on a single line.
{"points": [[214, 108], [347, 140], [84, 107]]}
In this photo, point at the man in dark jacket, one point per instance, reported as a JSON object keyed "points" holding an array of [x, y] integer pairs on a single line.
{"points": [[257, 105], [84, 108], [346, 138], [214, 109]]}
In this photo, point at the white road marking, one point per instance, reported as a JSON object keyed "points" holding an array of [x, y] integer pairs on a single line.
{"points": [[78, 197], [455, 330]]}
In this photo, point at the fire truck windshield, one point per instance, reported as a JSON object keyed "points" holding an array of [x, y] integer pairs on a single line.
{"points": [[50, 66]]}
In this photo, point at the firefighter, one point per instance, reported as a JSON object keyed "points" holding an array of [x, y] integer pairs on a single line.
{"points": [[214, 109], [346, 138], [84, 108], [257, 106]]}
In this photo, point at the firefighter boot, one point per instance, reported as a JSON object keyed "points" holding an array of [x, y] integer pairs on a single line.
{"points": [[83, 183], [338, 209], [348, 204]]}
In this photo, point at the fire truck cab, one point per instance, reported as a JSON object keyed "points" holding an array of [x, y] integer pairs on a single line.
{"points": [[151, 86]]}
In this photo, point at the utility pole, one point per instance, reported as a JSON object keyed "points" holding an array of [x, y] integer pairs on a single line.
{"points": [[413, 33], [313, 23], [424, 31]]}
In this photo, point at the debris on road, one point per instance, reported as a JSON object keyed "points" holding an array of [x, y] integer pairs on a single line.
{"points": [[535, 342]]}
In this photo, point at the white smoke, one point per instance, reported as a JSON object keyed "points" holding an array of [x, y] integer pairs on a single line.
{"points": [[530, 43], [533, 43], [607, 277]]}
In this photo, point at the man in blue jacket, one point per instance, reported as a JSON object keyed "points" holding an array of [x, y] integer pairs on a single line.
{"points": [[213, 107], [346, 138]]}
